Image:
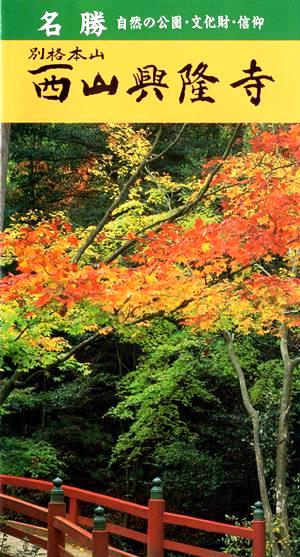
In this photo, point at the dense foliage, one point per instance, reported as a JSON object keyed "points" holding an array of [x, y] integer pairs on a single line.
{"points": [[149, 275]]}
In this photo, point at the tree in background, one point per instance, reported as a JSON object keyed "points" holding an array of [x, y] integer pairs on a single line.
{"points": [[239, 274], [135, 200], [230, 268]]}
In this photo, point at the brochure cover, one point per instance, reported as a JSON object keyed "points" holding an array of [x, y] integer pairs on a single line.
{"points": [[149, 290]]}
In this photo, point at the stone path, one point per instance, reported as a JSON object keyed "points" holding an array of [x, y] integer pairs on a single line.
{"points": [[16, 548]]}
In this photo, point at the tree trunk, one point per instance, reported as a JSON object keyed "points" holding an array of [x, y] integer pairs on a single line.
{"points": [[255, 418], [7, 386], [282, 444], [5, 136]]}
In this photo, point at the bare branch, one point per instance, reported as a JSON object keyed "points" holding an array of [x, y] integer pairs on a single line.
{"points": [[295, 362], [164, 151]]}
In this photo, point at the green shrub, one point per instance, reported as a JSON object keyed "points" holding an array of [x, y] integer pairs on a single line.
{"points": [[29, 458]]}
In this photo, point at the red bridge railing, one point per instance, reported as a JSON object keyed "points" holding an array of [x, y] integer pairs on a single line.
{"points": [[62, 523]]}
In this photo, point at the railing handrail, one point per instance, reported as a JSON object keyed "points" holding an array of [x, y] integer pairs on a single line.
{"points": [[82, 495], [23, 507], [154, 514], [208, 525], [194, 550], [107, 501], [28, 483], [134, 509], [78, 534]]}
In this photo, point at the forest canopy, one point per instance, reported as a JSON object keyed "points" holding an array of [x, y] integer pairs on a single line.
{"points": [[150, 279]]}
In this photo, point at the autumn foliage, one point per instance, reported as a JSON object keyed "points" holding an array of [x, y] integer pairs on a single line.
{"points": [[232, 266], [218, 253]]}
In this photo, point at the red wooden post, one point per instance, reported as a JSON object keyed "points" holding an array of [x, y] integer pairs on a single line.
{"points": [[56, 507], [2, 488], [259, 531], [74, 510], [100, 534], [156, 509]]}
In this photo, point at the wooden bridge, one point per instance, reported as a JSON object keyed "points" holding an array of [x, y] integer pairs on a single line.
{"points": [[65, 519]]}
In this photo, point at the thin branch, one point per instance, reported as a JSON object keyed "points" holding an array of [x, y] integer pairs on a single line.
{"points": [[259, 162], [191, 204], [21, 333], [159, 313], [57, 362], [258, 266], [183, 210], [117, 201], [164, 151], [29, 380], [73, 350], [12, 383], [7, 386], [295, 362], [282, 166], [159, 185], [223, 188]]}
